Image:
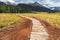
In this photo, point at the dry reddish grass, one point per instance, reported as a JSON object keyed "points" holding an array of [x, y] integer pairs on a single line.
{"points": [[20, 31], [24, 34]]}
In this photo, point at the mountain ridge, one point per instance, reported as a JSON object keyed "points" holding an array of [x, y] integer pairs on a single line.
{"points": [[24, 7]]}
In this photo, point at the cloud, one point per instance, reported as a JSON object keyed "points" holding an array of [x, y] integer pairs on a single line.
{"points": [[52, 3], [24, 1], [49, 2], [12, 1], [55, 4], [3, 0], [55, 0]]}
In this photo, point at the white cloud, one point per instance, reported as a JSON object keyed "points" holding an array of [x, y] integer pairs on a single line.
{"points": [[50, 2], [12, 1], [24, 1], [3, 0], [55, 4]]}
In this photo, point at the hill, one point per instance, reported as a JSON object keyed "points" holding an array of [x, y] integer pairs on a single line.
{"points": [[33, 7]]}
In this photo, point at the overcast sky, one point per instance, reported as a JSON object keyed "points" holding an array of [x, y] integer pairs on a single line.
{"points": [[48, 2]]}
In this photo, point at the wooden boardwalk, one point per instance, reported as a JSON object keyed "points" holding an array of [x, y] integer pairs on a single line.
{"points": [[38, 31]]}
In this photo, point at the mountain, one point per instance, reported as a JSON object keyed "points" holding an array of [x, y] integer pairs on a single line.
{"points": [[55, 8], [22, 7], [2, 3], [34, 7], [36, 4], [8, 2]]}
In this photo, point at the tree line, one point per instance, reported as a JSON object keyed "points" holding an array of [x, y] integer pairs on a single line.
{"points": [[13, 9]]}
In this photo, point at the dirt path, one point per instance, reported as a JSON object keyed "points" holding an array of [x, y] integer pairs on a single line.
{"points": [[43, 30], [38, 31]]}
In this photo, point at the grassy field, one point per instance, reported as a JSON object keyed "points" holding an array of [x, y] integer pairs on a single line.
{"points": [[54, 18], [9, 19]]}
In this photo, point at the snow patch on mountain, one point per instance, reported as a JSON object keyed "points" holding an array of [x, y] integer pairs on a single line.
{"points": [[8, 1]]}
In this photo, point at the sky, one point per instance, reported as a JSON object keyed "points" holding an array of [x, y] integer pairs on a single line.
{"points": [[48, 3]]}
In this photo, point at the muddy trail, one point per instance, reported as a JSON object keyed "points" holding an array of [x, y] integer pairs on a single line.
{"points": [[43, 30]]}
